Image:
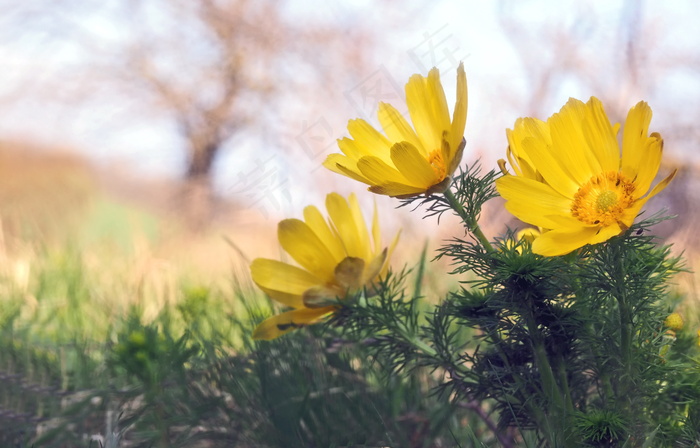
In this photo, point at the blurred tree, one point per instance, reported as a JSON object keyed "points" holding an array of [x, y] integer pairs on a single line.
{"points": [[209, 69], [201, 62]]}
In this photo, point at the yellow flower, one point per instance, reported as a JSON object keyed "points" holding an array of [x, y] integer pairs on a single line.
{"points": [[408, 161], [674, 322], [337, 257], [528, 235], [571, 179], [137, 338]]}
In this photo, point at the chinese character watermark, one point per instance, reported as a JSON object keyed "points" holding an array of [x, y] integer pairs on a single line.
{"points": [[316, 138], [263, 185], [378, 87], [438, 49]]}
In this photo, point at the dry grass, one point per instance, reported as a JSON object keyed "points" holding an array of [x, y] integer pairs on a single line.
{"points": [[131, 237]]}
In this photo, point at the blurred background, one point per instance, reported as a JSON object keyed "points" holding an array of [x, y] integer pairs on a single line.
{"points": [[148, 149], [183, 131]]}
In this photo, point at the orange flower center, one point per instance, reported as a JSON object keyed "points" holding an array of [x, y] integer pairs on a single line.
{"points": [[438, 164], [603, 199]]}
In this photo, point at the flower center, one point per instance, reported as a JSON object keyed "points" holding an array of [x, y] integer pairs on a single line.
{"points": [[606, 200], [438, 164], [603, 199]]}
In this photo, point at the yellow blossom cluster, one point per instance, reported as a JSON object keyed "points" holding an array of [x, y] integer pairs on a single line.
{"points": [[570, 176]]}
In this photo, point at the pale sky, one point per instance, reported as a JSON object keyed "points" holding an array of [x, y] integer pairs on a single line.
{"points": [[500, 86]]}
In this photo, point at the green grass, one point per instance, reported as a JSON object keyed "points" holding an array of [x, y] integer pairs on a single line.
{"points": [[188, 374], [105, 342]]}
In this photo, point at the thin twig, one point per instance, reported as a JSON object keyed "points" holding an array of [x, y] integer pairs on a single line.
{"points": [[506, 440]]}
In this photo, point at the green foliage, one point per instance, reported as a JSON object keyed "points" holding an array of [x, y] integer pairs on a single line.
{"points": [[470, 189], [600, 427], [529, 351], [148, 353], [569, 348]]}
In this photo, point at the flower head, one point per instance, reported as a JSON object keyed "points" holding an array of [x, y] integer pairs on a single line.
{"points": [[674, 321], [572, 179], [336, 257], [408, 161]]}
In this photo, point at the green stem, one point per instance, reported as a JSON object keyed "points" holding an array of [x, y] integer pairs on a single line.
{"points": [[414, 340], [422, 346], [557, 409], [469, 221], [604, 375], [625, 331], [607, 386], [549, 384], [625, 312], [564, 381], [420, 272], [625, 342], [542, 420]]}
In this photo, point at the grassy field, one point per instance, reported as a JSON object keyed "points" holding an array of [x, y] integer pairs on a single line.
{"points": [[118, 328]]}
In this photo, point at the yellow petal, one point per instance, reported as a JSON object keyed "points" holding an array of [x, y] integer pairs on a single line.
{"points": [[437, 102], [550, 167], [320, 296], [285, 298], [446, 151], [631, 213], [374, 268], [346, 166], [378, 172], [605, 233], [513, 159], [646, 172], [350, 148], [390, 252], [561, 242], [305, 247], [428, 109], [315, 220], [600, 136], [368, 140], [439, 187], [455, 157], [526, 214], [459, 115], [367, 136], [342, 218], [569, 147], [397, 190], [280, 324], [282, 282], [658, 188], [564, 221], [360, 225], [396, 127], [520, 160], [348, 273], [634, 139], [376, 231], [528, 234], [414, 166], [531, 201]]}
